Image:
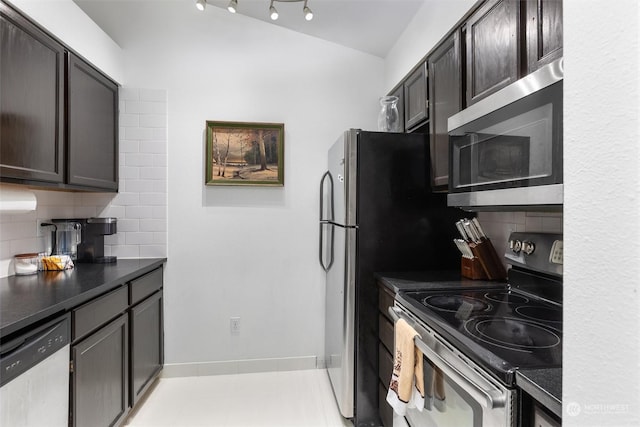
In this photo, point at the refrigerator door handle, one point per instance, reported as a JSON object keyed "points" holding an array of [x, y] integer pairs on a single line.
{"points": [[325, 221], [330, 263], [327, 175]]}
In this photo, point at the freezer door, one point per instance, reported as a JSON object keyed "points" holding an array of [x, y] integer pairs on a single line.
{"points": [[343, 161], [340, 319]]}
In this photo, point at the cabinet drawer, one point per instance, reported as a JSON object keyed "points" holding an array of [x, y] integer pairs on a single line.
{"points": [[94, 314], [385, 332], [145, 285], [385, 300], [385, 364]]}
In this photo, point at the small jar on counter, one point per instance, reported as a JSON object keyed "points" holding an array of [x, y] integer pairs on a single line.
{"points": [[26, 264]]}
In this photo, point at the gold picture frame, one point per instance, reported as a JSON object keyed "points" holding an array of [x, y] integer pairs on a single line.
{"points": [[244, 153]]}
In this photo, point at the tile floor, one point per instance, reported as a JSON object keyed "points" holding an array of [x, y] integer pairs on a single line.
{"points": [[289, 398]]}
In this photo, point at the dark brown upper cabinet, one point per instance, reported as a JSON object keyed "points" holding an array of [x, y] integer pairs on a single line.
{"points": [[445, 95], [543, 32], [58, 114], [92, 126], [415, 98], [492, 48], [32, 101]]}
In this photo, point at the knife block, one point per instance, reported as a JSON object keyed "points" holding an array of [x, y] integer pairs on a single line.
{"points": [[472, 269], [488, 258]]}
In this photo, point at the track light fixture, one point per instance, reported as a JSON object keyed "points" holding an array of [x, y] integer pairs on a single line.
{"points": [[273, 13]]}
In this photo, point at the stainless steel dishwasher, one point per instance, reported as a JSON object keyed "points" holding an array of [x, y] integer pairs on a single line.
{"points": [[34, 376]]}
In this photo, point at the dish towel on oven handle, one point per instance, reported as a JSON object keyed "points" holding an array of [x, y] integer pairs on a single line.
{"points": [[406, 389]]}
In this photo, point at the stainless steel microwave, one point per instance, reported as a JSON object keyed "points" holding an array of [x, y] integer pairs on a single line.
{"points": [[505, 151]]}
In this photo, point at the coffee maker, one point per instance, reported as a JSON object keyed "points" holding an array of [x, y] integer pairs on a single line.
{"points": [[90, 244]]}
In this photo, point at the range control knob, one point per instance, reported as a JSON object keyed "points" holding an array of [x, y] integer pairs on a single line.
{"points": [[528, 247], [515, 245]]}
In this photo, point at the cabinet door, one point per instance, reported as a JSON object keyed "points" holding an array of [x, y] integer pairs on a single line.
{"points": [[492, 48], [445, 100], [32, 101], [544, 32], [100, 381], [147, 354], [415, 97], [93, 127]]}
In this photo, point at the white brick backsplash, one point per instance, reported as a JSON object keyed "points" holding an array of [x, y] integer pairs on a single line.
{"points": [[128, 172], [129, 120], [159, 134], [139, 133], [153, 199], [137, 212], [112, 211], [126, 225], [139, 185], [153, 173], [137, 159], [160, 186], [159, 212], [153, 95], [153, 225], [127, 94], [160, 160], [153, 121], [141, 204], [156, 147], [126, 251], [153, 251], [139, 238], [129, 146]]}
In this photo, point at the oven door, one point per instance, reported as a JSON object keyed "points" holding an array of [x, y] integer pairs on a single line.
{"points": [[457, 391], [510, 141]]}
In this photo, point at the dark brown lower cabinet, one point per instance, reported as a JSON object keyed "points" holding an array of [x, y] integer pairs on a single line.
{"points": [[147, 355], [385, 353], [100, 378]]}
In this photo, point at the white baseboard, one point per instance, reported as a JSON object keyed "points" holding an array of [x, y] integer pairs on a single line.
{"points": [[173, 370]]}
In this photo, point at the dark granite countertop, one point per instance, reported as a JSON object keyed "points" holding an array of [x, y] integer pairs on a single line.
{"points": [[25, 300], [415, 280], [544, 385]]}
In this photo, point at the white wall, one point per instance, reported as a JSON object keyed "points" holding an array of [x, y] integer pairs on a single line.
{"points": [[601, 375], [430, 24], [65, 20], [246, 252]]}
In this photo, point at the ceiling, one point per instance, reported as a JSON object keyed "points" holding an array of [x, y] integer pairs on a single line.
{"points": [[371, 26]]}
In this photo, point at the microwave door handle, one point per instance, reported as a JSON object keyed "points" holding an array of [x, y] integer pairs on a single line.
{"points": [[488, 398]]}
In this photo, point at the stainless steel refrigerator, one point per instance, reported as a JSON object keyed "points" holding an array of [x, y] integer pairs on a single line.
{"points": [[377, 214]]}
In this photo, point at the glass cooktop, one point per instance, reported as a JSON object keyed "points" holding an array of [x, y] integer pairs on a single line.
{"points": [[498, 328]]}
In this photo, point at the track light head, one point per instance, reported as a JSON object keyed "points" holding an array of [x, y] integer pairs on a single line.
{"points": [[233, 6], [201, 4], [273, 13], [308, 14]]}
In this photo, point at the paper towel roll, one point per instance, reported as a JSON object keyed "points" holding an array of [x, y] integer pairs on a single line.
{"points": [[14, 200]]}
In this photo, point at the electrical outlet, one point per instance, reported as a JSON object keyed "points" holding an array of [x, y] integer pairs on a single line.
{"points": [[235, 325], [39, 231], [556, 255]]}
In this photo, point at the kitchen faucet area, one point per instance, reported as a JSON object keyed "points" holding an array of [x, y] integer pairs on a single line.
{"points": [[339, 213]]}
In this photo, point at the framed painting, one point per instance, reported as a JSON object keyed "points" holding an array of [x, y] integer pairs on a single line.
{"points": [[240, 153]]}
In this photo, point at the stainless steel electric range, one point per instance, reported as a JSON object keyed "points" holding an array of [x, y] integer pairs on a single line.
{"points": [[475, 338]]}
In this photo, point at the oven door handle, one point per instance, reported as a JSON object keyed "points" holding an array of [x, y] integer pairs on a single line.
{"points": [[490, 399]]}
